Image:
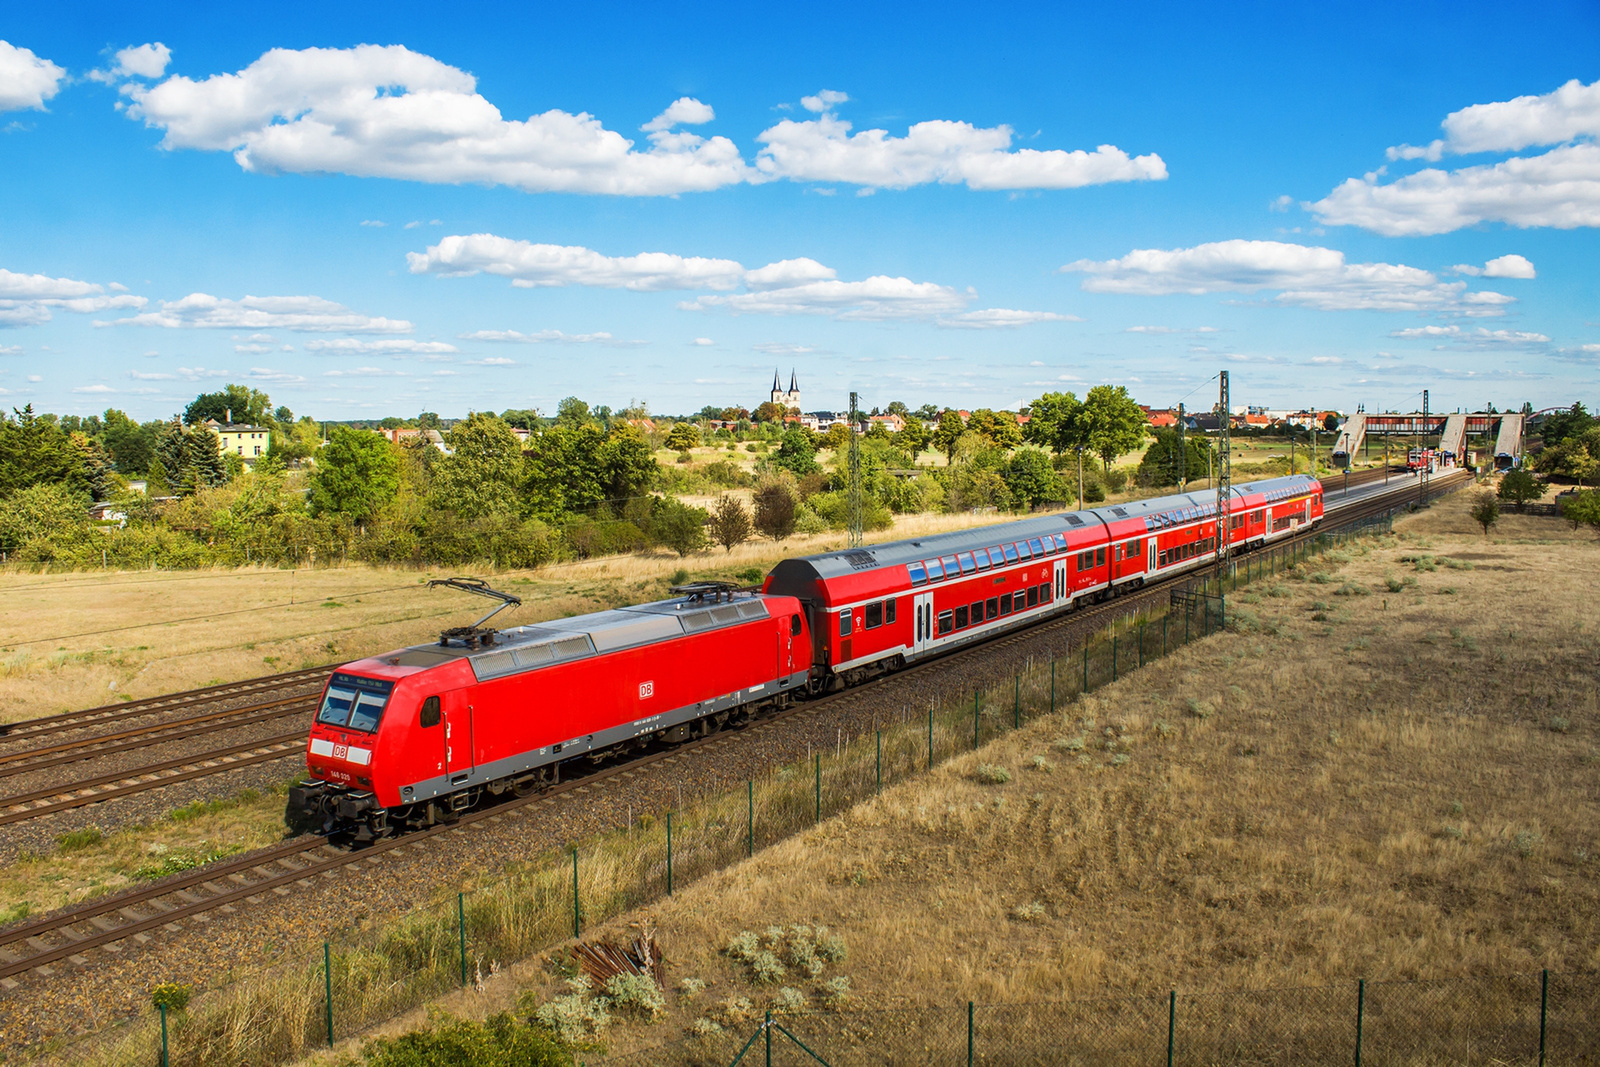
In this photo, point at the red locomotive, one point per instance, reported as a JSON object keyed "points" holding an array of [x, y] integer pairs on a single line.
{"points": [[412, 736]]}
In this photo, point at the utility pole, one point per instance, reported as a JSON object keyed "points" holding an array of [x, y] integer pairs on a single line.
{"points": [[1183, 454], [1425, 463], [1080, 477], [855, 476], [1224, 478]]}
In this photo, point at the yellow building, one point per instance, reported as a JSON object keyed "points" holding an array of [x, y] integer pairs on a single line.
{"points": [[247, 442]]}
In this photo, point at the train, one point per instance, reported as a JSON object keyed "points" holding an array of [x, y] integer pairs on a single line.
{"points": [[416, 736]]}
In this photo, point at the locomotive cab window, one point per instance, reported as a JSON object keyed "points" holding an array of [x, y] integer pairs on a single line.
{"points": [[794, 624], [354, 703], [874, 615], [430, 713]]}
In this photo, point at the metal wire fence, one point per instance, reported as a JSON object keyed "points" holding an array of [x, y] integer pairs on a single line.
{"points": [[1527, 1019], [366, 975]]}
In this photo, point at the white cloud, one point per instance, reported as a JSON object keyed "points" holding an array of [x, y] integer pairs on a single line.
{"points": [[876, 298], [376, 224], [1559, 188], [93, 389], [1001, 318], [143, 61], [27, 299], [700, 341], [277, 377], [684, 111], [10, 350], [1307, 276], [364, 372], [547, 337], [302, 313], [197, 373], [394, 346], [492, 361], [252, 349], [1170, 329], [1327, 360], [1511, 266], [531, 265], [1480, 339], [951, 153], [780, 348], [788, 272], [386, 111], [26, 81]]}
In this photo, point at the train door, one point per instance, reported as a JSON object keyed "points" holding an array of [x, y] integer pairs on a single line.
{"points": [[1060, 567], [457, 737], [788, 634], [922, 612]]}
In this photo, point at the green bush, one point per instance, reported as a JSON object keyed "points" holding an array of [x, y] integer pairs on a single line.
{"points": [[499, 1041]]}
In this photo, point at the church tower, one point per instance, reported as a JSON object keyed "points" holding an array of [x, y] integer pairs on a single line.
{"points": [[787, 398]]}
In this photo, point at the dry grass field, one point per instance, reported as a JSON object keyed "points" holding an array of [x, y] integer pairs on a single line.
{"points": [[1387, 770], [78, 640]]}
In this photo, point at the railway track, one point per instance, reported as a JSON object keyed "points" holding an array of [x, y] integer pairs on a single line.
{"points": [[39, 944]]}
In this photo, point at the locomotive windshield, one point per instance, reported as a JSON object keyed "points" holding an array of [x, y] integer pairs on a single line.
{"points": [[354, 703]]}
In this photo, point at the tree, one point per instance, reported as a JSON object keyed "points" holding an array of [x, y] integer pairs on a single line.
{"points": [[247, 405], [949, 431], [1486, 510], [1163, 464], [572, 412], [1566, 424], [1330, 422], [357, 474], [130, 445], [1114, 423], [682, 437], [796, 453], [998, 426], [1056, 422], [836, 438], [481, 475], [897, 407], [730, 522], [1584, 509], [35, 451], [46, 511], [191, 458], [775, 504], [914, 438], [1030, 478], [1577, 456], [677, 525], [769, 412], [1518, 486]]}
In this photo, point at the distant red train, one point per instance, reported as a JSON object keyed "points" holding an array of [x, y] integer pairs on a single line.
{"points": [[414, 736]]}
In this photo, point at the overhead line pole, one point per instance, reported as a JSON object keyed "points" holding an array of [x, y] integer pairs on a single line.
{"points": [[1224, 480], [854, 491]]}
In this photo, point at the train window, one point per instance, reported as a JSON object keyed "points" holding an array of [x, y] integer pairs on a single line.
{"points": [[1099, 557], [1044, 593], [919, 573], [1037, 546], [1033, 596], [968, 564], [874, 616], [1161, 559], [961, 618], [1019, 601], [794, 624], [1135, 548], [1005, 605], [1011, 553], [1116, 553], [430, 713], [1023, 552], [1085, 560], [1236, 522], [888, 609], [952, 569], [977, 612], [947, 622], [1259, 516], [844, 623], [355, 703], [1061, 542], [935, 570], [981, 557], [992, 608]]}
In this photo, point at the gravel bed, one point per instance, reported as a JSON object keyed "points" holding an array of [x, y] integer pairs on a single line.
{"points": [[114, 985]]}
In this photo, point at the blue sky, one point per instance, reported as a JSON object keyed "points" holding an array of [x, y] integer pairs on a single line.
{"points": [[1338, 206]]}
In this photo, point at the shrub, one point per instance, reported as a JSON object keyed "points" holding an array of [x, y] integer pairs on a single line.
{"points": [[836, 992], [766, 968], [992, 774], [1032, 911], [703, 1027], [174, 996], [788, 1000], [73, 840], [575, 1018], [636, 991], [1040, 763], [1559, 724], [1069, 744], [1525, 842], [691, 987], [499, 1041]]}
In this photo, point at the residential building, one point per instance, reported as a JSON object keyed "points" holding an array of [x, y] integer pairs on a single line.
{"points": [[244, 440]]}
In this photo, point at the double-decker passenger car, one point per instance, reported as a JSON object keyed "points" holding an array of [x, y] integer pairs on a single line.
{"points": [[877, 608]]}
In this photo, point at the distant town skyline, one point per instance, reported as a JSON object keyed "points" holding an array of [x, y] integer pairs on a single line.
{"points": [[379, 212]]}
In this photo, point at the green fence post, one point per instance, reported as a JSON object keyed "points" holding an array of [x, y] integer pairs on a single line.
{"points": [[1187, 611], [750, 813], [1361, 1007], [1544, 1003], [1164, 619], [880, 761], [1113, 656], [327, 987], [819, 787], [1016, 702], [1141, 644], [461, 928], [162, 1008], [1085, 688], [669, 853], [930, 739], [970, 1042], [974, 720], [1172, 1022], [767, 1026], [1052, 687], [577, 927]]}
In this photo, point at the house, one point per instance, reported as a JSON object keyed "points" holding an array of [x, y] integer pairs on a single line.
{"points": [[892, 423], [1160, 420], [401, 435], [247, 441]]}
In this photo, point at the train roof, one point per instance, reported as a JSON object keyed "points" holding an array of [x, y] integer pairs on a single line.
{"points": [[1156, 511], [524, 648]]}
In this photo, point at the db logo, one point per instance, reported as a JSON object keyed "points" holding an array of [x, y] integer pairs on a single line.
{"points": [[341, 751], [647, 690]]}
